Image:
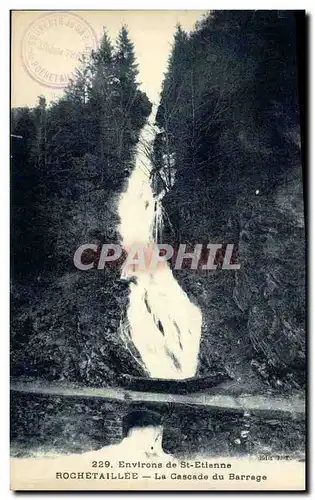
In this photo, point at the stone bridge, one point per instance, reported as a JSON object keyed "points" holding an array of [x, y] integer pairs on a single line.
{"points": [[70, 418]]}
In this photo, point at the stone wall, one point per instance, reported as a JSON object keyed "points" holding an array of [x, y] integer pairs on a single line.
{"points": [[75, 425]]}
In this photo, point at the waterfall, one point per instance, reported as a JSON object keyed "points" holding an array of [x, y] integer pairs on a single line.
{"points": [[164, 326]]}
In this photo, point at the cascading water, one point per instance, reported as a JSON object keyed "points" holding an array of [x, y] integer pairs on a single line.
{"points": [[163, 324]]}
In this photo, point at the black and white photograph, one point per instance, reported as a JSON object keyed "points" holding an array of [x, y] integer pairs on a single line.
{"points": [[158, 250]]}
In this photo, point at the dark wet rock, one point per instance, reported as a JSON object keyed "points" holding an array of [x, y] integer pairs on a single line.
{"points": [[258, 312]]}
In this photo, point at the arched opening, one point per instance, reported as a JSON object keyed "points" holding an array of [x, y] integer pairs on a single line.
{"points": [[140, 418]]}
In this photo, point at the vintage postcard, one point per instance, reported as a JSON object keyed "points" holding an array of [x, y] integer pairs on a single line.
{"points": [[157, 250]]}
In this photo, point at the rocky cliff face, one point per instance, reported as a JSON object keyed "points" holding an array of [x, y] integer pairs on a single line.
{"points": [[270, 284], [254, 317], [66, 322], [230, 136]]}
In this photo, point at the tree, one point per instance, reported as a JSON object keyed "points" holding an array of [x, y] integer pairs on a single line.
{"points": [[67, 173], [228, 142]]}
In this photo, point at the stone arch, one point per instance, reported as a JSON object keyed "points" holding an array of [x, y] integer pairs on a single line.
{"points": [[140, 417]]}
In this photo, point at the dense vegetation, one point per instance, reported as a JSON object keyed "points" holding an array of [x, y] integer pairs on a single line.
{"points": [[69, 164], [228, 156]]}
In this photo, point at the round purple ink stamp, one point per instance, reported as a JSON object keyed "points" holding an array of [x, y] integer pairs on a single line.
{"points": [[52, 46]]}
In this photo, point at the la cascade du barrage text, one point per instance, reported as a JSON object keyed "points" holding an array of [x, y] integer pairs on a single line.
{"points": [[145, 471]]}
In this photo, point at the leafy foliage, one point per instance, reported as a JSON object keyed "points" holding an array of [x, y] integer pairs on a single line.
{"points": [[68, 170], [228, 156]]}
